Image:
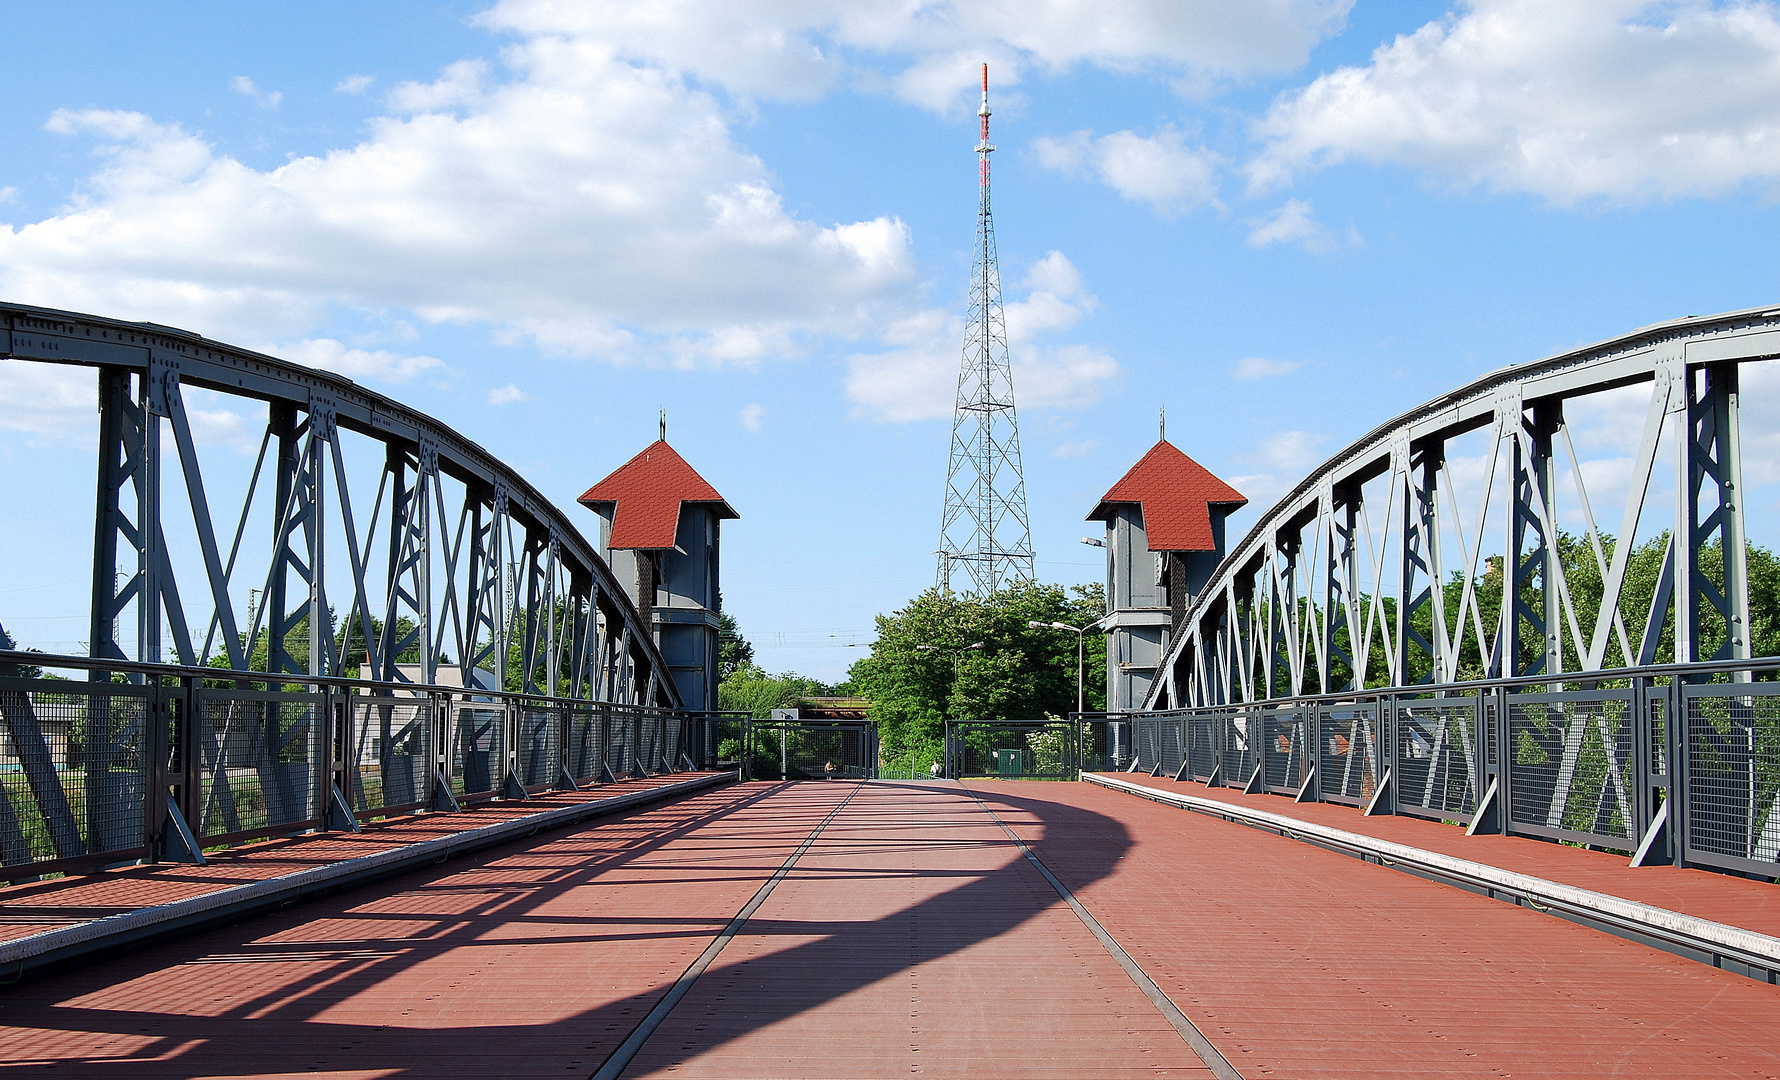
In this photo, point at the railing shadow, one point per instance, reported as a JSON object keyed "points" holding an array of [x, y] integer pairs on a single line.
{"points": [[285, 1027]]}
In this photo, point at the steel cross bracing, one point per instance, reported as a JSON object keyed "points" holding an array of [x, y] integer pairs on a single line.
{"points": [[984, 526], [462, 576], [1348, 571], [1345, 648]]}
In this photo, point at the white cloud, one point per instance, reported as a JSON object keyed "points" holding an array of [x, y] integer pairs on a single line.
{"points": [[1291, 450], [930, 48], [241, 84], [1159, 169], [917, 377], [1292, 223], [1075, 448], [752, 415], [353, 84], [331, 355], [507, 395], [8, 193], [1618, 101], [1260, 367], [49, 400], [593, 206], [214, 421]]}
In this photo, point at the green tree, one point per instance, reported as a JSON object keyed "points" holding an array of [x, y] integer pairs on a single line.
{"points": [[1019, 673], [22, 671], [1582, 579], [753, 691], [734, 652]]}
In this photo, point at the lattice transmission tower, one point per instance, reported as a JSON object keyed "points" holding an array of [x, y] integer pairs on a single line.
{"points": [[984, 528]]}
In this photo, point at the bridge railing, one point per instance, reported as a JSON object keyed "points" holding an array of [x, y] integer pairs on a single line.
{"points": [[1675, 764], [147, 762]]}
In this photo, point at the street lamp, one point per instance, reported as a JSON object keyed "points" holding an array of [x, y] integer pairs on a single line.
{"points": [[1080, 633]]}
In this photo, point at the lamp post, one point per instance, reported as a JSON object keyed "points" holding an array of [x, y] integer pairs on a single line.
{"points": [[1081, 636], [954, 654]]}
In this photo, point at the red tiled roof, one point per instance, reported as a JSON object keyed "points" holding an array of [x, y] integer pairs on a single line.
{"points": [[647, 492], [1176, 494]]}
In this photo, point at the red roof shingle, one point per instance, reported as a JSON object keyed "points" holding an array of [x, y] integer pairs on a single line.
{"points": [[646, 493], [1176, 494]]}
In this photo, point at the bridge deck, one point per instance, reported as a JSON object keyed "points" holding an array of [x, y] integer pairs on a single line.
{"points": [[1721, 898], [909, 938]]}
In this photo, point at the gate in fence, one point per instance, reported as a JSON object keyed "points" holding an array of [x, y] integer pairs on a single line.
{"points": [[810, 750], [1035, 750]]}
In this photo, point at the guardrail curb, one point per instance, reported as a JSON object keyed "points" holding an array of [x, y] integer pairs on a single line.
{"points": [[29, 956]]}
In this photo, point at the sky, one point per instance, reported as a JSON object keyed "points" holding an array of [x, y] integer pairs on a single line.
{"points": [[543, 222]]}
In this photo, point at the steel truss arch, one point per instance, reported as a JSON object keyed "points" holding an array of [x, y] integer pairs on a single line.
{"points": [[1368, 541], [503, 567]]}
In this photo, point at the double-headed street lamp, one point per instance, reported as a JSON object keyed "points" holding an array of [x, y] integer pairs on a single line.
{"points": [[953, 653], [1081, 636]]}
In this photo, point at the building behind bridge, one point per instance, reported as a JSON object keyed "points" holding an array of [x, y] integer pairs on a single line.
{"points": [[1164, 536], [659, 532]]}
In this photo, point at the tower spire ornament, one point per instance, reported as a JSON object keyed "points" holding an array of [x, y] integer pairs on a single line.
{"points": [[984, 529]]}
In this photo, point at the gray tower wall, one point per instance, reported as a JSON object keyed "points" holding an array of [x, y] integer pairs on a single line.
{"points": [[1137, 617]]}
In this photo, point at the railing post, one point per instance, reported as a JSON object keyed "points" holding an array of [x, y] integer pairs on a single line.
{"points": [[327, 724], [157, 783], [1678, 739], [1504, 760], [187, 722]]}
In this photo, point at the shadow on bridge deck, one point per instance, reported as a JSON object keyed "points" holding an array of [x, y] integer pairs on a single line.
{"points": [[911, 938]]}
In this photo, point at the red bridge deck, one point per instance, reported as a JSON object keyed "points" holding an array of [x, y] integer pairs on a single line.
{"points": [[910, 937]]}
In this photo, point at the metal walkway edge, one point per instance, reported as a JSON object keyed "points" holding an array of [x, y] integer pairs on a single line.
{"points": [[1731, 948], [38, 954]]}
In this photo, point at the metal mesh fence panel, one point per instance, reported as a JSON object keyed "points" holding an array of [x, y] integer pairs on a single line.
{"points": [[1243, 728], [1201, 737], [1044, 751], [1347, 769], [540, 745], [621, 740], [1287, 733], [649, 742], [391, 749], [1435, 767], [1571, 756], [478, 748], [257, 759], [1143, 738], [586, 738], [671, 740], [1733, 759], [1169, 746], [71, 771]]}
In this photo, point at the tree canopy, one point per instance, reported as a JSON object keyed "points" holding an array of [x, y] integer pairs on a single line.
{"points": [[1019, 673]]}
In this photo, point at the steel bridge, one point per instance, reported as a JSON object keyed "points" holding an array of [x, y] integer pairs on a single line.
{"points": [[410, 790], [1345, 650]]}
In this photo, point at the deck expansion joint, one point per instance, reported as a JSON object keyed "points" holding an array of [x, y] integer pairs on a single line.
{"points": [[1214, 1060]]}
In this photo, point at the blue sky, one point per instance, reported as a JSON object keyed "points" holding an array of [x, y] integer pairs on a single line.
{"points": [[1284, 220]]}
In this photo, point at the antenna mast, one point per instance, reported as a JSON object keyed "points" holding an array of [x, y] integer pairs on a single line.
{"points": [[984, 526]]}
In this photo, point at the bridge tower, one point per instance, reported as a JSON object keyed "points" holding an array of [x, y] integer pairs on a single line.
{"points": [[984, 527], [659, 528], [1164, 536]]}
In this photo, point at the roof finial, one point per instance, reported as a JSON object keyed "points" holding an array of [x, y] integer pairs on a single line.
{"points": [[664, 425], [1163, 424]]}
